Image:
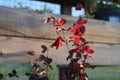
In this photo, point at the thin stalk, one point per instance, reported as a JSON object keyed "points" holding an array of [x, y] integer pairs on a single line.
{"points": [[66, 42], [47, 65], [68, 50]]}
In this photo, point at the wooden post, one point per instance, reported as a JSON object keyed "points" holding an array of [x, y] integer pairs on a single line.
{"points": [[65, 9]]}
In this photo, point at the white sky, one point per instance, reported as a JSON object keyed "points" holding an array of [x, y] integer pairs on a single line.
{"points": [[37, 5]]}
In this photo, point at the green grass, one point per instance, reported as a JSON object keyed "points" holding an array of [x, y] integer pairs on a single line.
{"points": [[104, 73], [99, 73], [53, 74], [20, 68], [23, 68]]}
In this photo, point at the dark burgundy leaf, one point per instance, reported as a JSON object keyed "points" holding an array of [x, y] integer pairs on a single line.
{"points": [[82, 30], [85, 56], [71, 52], [84, 42], [34, 77], [28, 74], [51, 67], [44, 48], [89, 66], [48, 60], [73, 68], [69, 29], [78, 55], [78, 52], [41, 58], [75, 60], [48, 66], [31, 53]]}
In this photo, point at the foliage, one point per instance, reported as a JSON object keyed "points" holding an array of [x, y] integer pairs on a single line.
{"points": [[81, 48], [14, 71], [110, 72], [45, 9], [39, 72], [104, 73], [21, 6], [13, 74], [87, 15]]}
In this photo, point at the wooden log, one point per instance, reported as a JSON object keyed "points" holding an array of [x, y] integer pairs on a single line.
{"points": [[18, 23], [26, 23]]}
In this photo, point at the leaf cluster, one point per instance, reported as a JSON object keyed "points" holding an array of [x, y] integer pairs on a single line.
{"points": [[81, 48]]}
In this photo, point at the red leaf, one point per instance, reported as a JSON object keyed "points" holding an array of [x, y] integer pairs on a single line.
{"points": [[52, 17], [76, 28], [62, 21], [47, 20], [57, 43], [77, 39], [54, 23], [88, 50], [62, 39], [69, 29], [44, 48], [81, 21]]}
